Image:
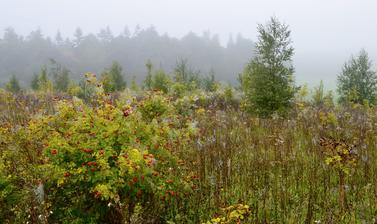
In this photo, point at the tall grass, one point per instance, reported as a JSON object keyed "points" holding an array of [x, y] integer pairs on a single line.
{"points": [[277, 166]]}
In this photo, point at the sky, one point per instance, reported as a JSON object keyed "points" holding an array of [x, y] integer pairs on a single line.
{"points": [[324, 32]]}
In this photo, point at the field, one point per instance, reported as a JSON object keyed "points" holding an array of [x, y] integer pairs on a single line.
{"points": [[184, 157]]}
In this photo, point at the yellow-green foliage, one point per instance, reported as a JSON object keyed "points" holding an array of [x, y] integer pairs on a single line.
{"points": [[183, 157], [89, 157], [232, 214]]}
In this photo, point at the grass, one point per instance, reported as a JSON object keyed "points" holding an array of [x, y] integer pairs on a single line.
{"points": [[276, 166]]}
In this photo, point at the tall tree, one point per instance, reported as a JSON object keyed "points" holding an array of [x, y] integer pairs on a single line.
{"points": [[126, 32], [59, 39], [10, 36], [105, 35], [357, 82], [267, 81], [78, 37]]}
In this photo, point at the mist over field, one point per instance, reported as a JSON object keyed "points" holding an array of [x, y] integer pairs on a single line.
{"points": [[189, 111], [131, 49], [211, 35]]}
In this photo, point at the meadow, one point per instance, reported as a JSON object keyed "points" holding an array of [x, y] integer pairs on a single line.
{"points": [[184, 156]]}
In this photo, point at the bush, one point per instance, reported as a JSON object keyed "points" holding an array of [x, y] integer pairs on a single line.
{"points": [[98, 163]]}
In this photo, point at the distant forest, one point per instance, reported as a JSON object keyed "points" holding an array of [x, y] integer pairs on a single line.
{"points": [[22, 56]]}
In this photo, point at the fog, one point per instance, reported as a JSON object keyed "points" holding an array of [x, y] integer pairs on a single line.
{"points": [[324, 33]]}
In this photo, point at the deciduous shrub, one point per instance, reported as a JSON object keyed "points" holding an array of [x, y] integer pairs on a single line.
{"points": [[96, 163]]}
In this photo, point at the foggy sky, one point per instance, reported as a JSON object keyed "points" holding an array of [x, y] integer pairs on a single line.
{"points": [[325, 32]]}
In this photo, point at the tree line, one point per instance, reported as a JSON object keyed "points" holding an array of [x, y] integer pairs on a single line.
{"points": [[22, 56], [267, 81]]}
